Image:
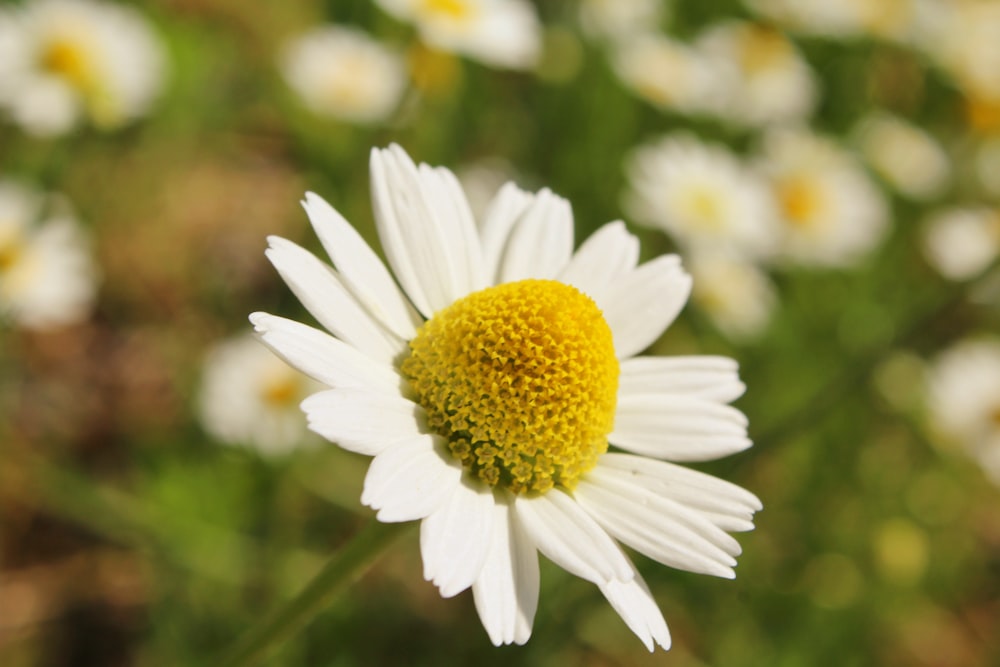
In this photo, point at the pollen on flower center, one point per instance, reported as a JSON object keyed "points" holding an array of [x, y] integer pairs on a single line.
{"points": [[67, 59], [521, 379]]}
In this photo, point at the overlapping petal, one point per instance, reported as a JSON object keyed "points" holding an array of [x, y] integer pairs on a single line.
{"points": [[641, 304], [506, 591], [410, 480], [678, 428], [320, 290], [361, 270], [426, 230], [323, 357], [455, 540]]}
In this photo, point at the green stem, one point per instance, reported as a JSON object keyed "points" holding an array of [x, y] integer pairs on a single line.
{"points": [[347, 565]]}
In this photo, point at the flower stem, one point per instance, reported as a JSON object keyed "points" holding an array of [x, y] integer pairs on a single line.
{"points": [[347, 565]]}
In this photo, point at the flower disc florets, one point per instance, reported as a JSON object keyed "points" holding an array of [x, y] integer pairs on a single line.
{"points": [[521, 379]]}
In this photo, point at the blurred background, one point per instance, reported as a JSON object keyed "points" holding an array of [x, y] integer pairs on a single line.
{"points": [[829, 172]]}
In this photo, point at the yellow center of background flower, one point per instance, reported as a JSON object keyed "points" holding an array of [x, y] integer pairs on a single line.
{"points": [[67, 59], [453, 9], [10, 247], [521, 379], [801, 200]]}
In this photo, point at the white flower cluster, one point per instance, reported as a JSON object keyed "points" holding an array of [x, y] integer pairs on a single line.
{"points": [[802, 200]]}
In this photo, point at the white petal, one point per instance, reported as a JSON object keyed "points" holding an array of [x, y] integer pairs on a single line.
{"points": [[656, 526], [433, 249], [503, 212], [319, 289], [506, 592], [678, 429], [570, 538], [448, 198], [360, 268], [640, 305], [362, 421], [721, 502], [411, 479], [455, 540], [323, 357], [635, 604], [541, 242], [706, 377], [609, 252]]}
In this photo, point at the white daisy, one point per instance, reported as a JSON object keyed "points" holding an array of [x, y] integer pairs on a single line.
{"points": [[47, 275], [906, 156], [620, 19], [737, 296], [963, 394], [250, 397], [68, 59], [701, 195], [501, 33], [830, 211], [967, 46], [488, 384], [343, 73], [767, 79], [667, 73], [961, 242]]}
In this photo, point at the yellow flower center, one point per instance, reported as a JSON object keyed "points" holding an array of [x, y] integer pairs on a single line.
{"points": [[66, 59], [521, 379], [456, 10], [800, 199], [11, 247], [763, 48], [703, 206], [281, 389]]}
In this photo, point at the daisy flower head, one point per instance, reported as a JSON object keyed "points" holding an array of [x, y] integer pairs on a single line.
{"points": [[904, 155], [767, 79], [615, 20], [963, 400], [250, 397], [66, 60], [666, 73], [499, 33], [47, 275], [830, 211], [967, 46], [342, 73], [961, 242], [735, 293], [487, 373], [701, 195]]}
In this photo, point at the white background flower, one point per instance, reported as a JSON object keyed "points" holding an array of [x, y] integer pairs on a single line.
{"points": [[501, 33], [341, 72], [963, 400], [250, 397], [701, 195], [47, 275], [64, 60]]}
